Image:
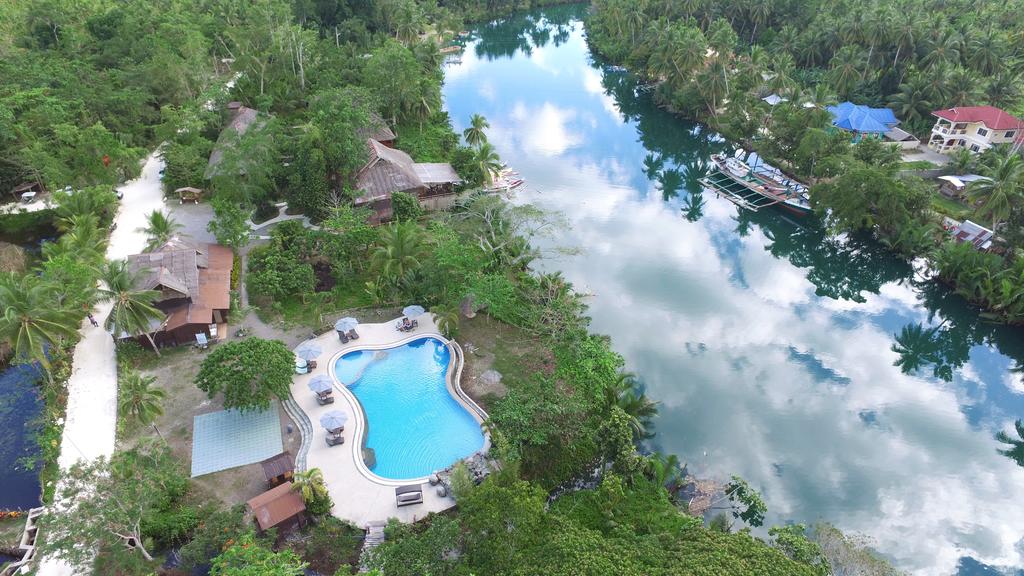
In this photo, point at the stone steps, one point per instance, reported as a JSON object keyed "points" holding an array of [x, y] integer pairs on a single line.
{"points": [[374, 537]]}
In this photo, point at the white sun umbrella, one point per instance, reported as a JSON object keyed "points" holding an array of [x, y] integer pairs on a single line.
{"points": [[333, 420], [308, 350], [413, 311], [346, 324], [321, 383]]}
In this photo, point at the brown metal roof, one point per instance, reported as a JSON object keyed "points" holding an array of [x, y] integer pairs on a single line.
{"points": [[387, 171], [276, 506], [432, 173], [376, 129], [199, 275], [278, 465]]}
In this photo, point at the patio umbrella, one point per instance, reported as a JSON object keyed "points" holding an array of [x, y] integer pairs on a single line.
{"points": [[333, 420], [321, 383], [308, 350], [413, 311], [346, 324]]}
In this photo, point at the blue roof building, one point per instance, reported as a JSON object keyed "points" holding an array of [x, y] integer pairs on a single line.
{"points": [[862, 119]]}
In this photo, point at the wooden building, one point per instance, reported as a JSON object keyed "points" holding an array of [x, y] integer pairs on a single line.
{"points": [[281, 506], [388, 171], [279, 469], [194, 282]]}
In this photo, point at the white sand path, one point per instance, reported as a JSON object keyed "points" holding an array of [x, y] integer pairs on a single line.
{"points": [[91, 421]]}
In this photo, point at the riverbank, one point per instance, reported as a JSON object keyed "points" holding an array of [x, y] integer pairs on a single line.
{"points": [[798, 138]]}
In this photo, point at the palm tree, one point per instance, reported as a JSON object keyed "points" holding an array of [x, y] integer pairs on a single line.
{"points": [[1016, 451], [622, 392], [1003, 89], [963, 87], [912, 102], [30, 321], [311, 485], [137, 398], [399, 252], [985, 52], [488, 162], [905, 32], [916, 346], [133, 310], [94, 201], [1002, 192], [475, 135], [961, 161], [159, 229], [447, 319], [665, 471], [847, 68]]}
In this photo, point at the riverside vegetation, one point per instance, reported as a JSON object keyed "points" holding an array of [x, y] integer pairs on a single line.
{"points": [[714, 61], [92, 80]]}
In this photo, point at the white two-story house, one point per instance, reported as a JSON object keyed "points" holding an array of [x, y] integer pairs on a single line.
{"points": [[975, 128]]}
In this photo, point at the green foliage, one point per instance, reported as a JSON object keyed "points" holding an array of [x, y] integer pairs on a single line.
{"points": [[308, 191], [108, 500], [277, 274], [22, 226], [310, 483], [216, 530], [30, 322], [405, 206], [230, 225], [793, 542], [747, 503], [133, 311], [249, 557], [249, 372], [186, 163], [137, 399], [160, 228], [171, 525], [330, 545]]}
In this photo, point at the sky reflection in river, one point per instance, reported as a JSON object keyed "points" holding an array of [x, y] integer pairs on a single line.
{"points": [[768, 345]]}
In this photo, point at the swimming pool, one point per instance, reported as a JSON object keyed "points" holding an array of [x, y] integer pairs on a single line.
{"points": [[414, 425]]}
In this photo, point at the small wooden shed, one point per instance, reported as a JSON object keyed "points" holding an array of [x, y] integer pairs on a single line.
{"points": [[279, 469], [280, 506]]}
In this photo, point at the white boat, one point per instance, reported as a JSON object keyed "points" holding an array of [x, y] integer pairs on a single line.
{"points": [[737, 167]]}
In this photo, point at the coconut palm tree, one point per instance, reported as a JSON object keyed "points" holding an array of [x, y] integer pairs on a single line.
{"points": [[963, 88], [623, 392], [488, 162], [1016, 450], [912, 102], [159, 229], [30, 321], [943, 49], [961, 161], [398, 252], [139, 400], [310, 484], [985, 51], [847, 68], [133, 311], [96, 201], [665, 471], [1003, 191], [475, 135]]}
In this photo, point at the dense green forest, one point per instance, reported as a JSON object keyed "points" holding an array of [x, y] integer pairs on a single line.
{"points": [[93, 86], [715, 61]]}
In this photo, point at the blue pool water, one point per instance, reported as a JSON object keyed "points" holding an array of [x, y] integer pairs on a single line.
{"points": [[415, 426]]}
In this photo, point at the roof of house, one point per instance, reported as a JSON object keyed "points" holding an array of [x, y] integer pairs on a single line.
{"points": [[200, 275], [276, 506], [241, 120], [990, 116], [962, 180], [858, 118], [900, 135], [431, 173], [376, 129], [387, 171], [976, 234], [278, 465]]}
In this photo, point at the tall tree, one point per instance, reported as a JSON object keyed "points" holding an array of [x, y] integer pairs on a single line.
{"points": [[133, 311], [250, 373], [139, 400], [159, 229], [475, 135], [1001, 193], [30, 322]]}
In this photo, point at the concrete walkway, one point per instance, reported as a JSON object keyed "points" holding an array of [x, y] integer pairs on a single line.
{"points": [[91, 421], [359, 496]]}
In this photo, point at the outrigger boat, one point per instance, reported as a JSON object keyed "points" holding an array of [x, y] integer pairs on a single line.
{"points": [[756, 188]]}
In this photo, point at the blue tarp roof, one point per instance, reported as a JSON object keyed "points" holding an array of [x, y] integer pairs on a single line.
{"points": [[856, 118]]}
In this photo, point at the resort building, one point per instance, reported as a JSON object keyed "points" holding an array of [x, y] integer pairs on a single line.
{"points": [[955, 186], [241, 118], [976, 128], [864, 121], [194, 284], [389, 170]]}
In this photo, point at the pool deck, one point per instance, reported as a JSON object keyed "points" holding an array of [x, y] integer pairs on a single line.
{"points": [[359, 496]]}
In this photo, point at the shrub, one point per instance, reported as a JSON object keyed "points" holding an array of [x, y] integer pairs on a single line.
{"points": [[405, 206]]}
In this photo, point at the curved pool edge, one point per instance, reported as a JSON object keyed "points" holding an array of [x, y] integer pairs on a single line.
{"points": [[453, 383]]}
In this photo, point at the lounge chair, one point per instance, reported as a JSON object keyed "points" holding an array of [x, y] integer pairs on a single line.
{"points": [[408, 495], [335, 439], [201, 342], [324, 399], [343, 337], [353, 335]]}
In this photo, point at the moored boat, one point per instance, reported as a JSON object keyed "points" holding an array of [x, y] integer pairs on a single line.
{"points": [[755, 188]]}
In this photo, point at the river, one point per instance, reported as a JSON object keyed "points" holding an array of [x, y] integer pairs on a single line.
{"points": [[20, 406], [769, 345]]}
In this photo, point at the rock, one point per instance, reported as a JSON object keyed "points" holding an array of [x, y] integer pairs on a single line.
{"points": [[442, 491], [491, 377]]}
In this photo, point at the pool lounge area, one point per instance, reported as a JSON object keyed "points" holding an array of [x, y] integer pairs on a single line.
{"points": [[401, 394]]}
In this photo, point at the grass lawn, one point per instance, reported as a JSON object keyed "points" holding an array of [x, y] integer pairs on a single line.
{"points": [[917, 165], [490, 344], [949, 207]]}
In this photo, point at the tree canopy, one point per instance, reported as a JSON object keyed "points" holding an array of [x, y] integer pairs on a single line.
{"points": [[250, 373]]}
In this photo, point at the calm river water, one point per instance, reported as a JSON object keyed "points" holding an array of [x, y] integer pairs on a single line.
{"points": [[768, 344]]}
